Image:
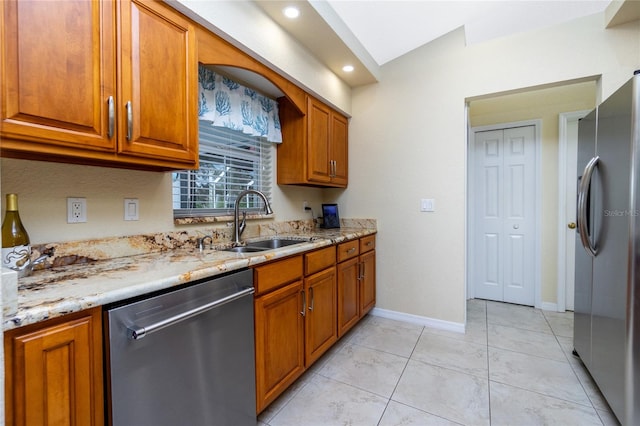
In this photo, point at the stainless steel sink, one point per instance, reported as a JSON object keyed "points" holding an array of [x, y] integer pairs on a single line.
{"points": [[241, 249], [262, 245], [274, 243]]}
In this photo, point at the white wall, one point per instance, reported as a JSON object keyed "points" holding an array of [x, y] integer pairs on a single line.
{"points": [[43, 188], [408, 141]]}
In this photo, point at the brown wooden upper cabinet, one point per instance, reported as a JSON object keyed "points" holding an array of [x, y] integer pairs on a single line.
{"points": [[315, 146], [99, 82]]}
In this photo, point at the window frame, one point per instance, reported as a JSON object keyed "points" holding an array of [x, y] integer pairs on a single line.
{"points": [[224, 156]]}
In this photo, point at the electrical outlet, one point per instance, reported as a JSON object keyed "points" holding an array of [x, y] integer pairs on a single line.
{"points": [[304, 206], [76, 210]]}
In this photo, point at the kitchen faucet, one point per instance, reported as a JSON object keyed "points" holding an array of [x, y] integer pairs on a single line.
{"points": [[238, 228]]}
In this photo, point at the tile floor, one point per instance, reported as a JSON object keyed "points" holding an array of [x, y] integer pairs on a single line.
{"points": [[512, 367]]}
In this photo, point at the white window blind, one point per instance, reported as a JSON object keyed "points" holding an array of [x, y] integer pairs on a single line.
{"points": [[230, 162]]}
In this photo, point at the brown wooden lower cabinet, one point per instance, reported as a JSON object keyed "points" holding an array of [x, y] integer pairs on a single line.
{"points": [[53, 372], [356, 281], [296, 319], [279, 327], [348, 295], [321, 296], [367, 282], [279, 334], [300, 315]]}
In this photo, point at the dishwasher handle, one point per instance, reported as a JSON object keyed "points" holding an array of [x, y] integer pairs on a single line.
{"points": [[137, 333]]}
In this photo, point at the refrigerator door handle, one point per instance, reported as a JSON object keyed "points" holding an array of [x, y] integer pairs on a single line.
{"points": [[583, 193]]}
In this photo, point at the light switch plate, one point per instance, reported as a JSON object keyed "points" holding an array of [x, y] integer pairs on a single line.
{"points": [[131, 209], [427, 205]]}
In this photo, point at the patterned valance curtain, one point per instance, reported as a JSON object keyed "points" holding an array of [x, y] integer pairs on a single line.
{"points": [[227, 103]]}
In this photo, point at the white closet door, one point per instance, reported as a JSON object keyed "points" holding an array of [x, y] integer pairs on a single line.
{"points": [[505, 215]]}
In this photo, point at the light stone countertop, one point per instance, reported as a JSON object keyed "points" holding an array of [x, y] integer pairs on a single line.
{"points": [[65, 289]]}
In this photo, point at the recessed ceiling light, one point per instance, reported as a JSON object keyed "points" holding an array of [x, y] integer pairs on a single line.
{"points": [[347, 68], [291, 12]]}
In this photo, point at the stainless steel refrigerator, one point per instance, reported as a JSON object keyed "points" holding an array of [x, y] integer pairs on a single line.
{"points": [[607, 281]]}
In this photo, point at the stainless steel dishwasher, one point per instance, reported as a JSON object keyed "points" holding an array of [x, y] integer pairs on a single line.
{"points": [[185, 357]]}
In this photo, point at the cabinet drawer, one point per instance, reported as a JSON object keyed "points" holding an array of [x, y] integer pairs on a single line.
{"points": [[367, 243], [277, 274], [319, 260], [348, 250]]}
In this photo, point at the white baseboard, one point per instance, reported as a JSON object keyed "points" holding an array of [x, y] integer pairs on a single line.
{"points": [[420, 320], [548, 306]]}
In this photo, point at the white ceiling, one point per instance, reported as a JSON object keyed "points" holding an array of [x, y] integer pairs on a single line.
{"points": [[370, 33], [389, 29]]}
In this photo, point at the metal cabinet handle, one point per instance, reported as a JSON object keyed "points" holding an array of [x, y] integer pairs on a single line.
{"points": [[332, 168], [137, 333], [360, 271], [112, 117], [351, 250], [129, 121], [583, 193], [304, 303], [311, 295]]}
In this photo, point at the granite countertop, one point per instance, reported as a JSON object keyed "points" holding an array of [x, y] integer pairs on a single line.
{"points": [[65, 289]]}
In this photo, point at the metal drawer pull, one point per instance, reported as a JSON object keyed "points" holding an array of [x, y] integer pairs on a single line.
{"points": [[351, 250], [137, 333], [112, 117], [304, 303], [129, 121]]}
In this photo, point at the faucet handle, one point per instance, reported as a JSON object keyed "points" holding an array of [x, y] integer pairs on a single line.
{"points": [[201, 242]]}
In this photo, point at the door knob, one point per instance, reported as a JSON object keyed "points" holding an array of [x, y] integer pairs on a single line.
{"points": [[572, 225]]}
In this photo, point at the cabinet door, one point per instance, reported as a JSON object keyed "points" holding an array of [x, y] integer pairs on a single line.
{"points": [[367, 282], [54, 374], [158, 103], [348, 295], [339, 149], [321, 330], [58, 62], [279, 328], [318, 116]]}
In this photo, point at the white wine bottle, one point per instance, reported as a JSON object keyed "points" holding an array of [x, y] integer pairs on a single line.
{"points": [[16, 248]]}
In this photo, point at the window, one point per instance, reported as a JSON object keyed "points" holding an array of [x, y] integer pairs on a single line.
{"points": [[230, 162]]}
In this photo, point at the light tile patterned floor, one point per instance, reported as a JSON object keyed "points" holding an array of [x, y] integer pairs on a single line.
{"points": [[513, 367]]}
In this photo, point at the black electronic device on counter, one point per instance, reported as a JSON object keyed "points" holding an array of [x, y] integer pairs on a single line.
{"points": [[330, 217]]}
